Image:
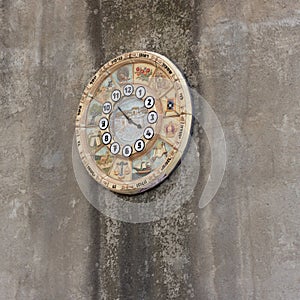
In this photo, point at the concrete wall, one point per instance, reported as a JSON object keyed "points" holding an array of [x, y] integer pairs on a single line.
{"points": [[244, 58]]}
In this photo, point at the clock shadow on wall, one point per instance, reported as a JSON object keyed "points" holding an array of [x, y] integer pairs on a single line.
{"points": [[132, 154], [154, 204]]}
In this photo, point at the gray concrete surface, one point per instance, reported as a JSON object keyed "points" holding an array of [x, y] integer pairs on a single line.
{"points": [[244, 58]]}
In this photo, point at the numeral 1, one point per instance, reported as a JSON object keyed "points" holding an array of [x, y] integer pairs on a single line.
{"points": [[140, 92]]}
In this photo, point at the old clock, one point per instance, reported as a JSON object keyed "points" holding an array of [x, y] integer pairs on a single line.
{"points": [[133, 122]]}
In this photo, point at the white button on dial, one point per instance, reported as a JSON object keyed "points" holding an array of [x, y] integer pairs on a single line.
{"points": [[103, 123], [128, 90], [149, 133], [152, 117], [107, 107], [139, 145], [140, 92], [115, 148], [115, 95], [127, 150], [106, 138], [149, 102]]}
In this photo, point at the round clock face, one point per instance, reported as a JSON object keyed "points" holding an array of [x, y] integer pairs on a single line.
{"points": [[133, 122]]}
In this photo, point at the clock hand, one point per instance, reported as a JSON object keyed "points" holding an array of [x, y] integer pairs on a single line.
{"points": [[130, 121], [123, 113]]}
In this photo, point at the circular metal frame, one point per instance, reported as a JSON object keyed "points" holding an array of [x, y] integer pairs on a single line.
{"points": [[137, 76]]}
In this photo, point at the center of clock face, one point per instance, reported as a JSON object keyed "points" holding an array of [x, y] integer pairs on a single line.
{"points": [[128, 120]]}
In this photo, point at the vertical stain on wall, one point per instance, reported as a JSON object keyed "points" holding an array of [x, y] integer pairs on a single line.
{"points": [[94, 253], [192, 73], [94, 30], [135, 261]]}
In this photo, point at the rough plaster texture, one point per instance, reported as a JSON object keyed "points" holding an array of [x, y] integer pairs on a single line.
{"points": [[244, 58]]}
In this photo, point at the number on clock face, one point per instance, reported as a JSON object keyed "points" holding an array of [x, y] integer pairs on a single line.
{"points": [[149, 102], [140, 92], [103, 123], [115, 148], [148, 133], [152, 117], [127, 150], [107, 107], [106, 138], [115, 95], [139, 145], [128, 89]]}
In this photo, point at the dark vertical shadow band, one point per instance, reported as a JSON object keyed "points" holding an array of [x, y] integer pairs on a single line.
{"points": [[94, 30]]}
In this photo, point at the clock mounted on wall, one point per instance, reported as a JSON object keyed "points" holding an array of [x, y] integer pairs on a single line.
{"points": [[133, 122]]}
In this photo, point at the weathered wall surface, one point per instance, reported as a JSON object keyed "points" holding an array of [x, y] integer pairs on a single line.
{"points": [[244, 58]]}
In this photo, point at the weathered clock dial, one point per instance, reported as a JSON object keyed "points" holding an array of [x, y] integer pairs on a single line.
{"points": [[133, 122]]}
